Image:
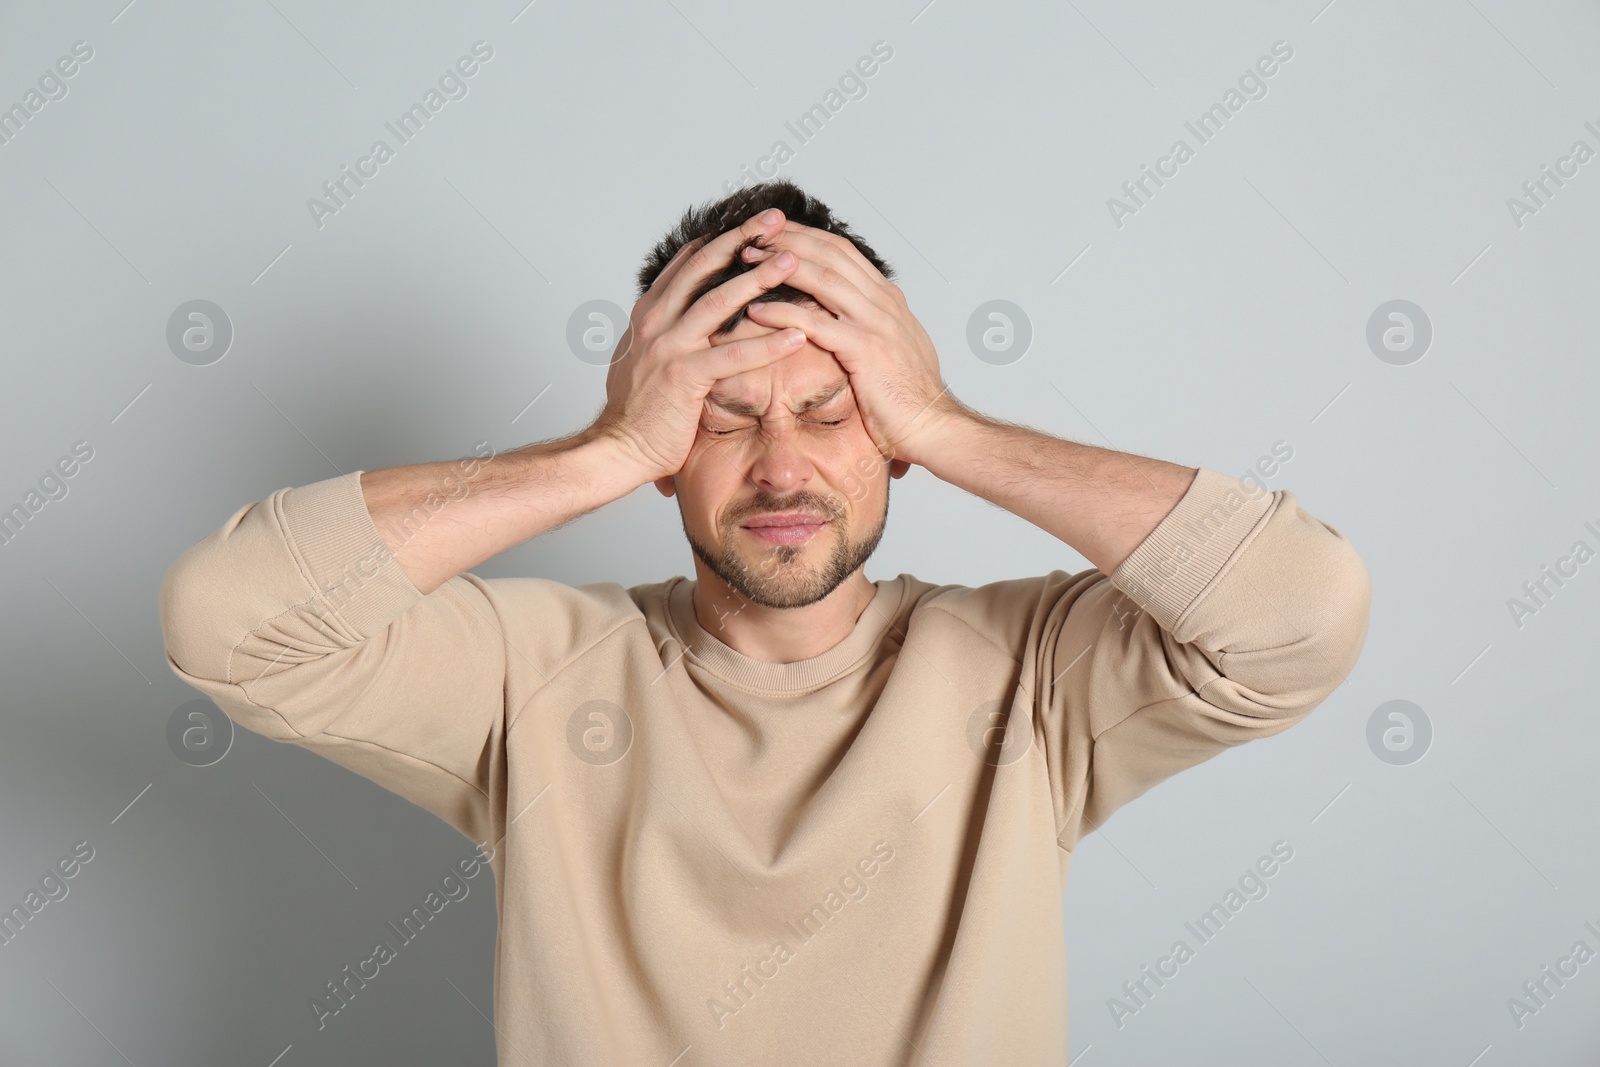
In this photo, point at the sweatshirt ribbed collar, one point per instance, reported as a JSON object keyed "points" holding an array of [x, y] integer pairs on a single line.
{"points": [[707, 651]]}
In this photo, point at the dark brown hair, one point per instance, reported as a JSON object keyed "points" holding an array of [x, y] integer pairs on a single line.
{"points": [[713, 219]]}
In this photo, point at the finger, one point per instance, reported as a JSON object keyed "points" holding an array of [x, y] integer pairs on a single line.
{"points": [[847, 248], [715, 308], [824, 268], [836, 292], [826, 247], [748, 354], [712, 255], [823, 330], [676, 262]]}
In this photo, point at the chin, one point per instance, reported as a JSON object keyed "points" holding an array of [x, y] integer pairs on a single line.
{"points": [[784, 595]]}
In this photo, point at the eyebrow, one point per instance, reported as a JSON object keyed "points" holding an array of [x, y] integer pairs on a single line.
{"points": [[815, 400]]}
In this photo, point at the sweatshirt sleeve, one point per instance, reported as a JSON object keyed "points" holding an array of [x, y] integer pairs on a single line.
{"points": [[298, 622], [1232, 620]]}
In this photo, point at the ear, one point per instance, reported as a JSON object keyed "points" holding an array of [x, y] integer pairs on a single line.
{"points": [[898, 468], [667, 486]]}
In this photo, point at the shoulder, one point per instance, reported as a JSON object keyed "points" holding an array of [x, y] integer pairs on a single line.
{"points": [[1004, 612], [596, 600], [556, 622]]}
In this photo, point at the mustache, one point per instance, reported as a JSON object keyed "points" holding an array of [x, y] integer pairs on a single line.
{"points": [[765, 503]]}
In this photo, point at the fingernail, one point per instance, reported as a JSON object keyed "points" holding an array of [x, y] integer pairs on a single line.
{"points": [[769, 216], [785, 259]]}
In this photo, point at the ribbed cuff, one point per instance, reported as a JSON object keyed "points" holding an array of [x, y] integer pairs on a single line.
{"points": [[1186, 551], [330, 529]]}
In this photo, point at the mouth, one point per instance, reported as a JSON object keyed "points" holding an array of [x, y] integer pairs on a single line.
{"points": [[787, 528]]}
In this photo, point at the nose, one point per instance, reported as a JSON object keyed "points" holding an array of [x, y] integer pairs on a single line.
{"points": [[780, 465]]}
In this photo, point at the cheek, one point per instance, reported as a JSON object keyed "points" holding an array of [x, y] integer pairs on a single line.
{"points": [[712, 477], [860, 475]]}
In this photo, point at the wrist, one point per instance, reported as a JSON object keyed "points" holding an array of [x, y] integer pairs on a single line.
{"points": [[937, 433], [617, 457]]}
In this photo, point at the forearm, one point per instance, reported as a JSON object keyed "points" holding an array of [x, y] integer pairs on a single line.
{"points": [[440, 520], [1101, 502]]}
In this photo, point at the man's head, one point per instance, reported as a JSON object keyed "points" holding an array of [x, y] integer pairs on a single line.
{"points": [[785, 440]]}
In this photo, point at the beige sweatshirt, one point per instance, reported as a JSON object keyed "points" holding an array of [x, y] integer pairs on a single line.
{"points": [[702, 858]]}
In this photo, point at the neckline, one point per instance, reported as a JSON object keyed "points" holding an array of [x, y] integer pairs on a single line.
{"points": [[727, 663]]}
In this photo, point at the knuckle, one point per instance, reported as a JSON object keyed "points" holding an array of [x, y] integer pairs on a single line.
{"points": [[715, 300], [647, 321]]}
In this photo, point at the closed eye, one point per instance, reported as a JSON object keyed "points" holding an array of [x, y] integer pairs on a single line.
{"points": [[724, 433]]}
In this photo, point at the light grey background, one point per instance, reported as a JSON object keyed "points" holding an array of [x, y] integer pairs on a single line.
{"points": [[1228, 314]]}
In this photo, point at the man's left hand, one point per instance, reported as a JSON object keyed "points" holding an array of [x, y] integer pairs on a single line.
{"points": [[868, 326]]}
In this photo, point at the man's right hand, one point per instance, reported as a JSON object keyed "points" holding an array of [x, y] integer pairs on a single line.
{"points": [[665, 363]]}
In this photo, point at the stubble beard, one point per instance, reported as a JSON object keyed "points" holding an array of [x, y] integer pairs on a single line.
{"points": [[782, 576]]}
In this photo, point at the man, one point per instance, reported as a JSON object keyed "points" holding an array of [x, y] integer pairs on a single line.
{"points": [[779, 813]]}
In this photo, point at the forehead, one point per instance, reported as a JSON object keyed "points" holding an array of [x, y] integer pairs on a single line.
{"points": [[801, 374]]}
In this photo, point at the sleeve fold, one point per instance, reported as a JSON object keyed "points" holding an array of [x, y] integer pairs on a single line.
{"points": [[297, 620], [1237, 616]]}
